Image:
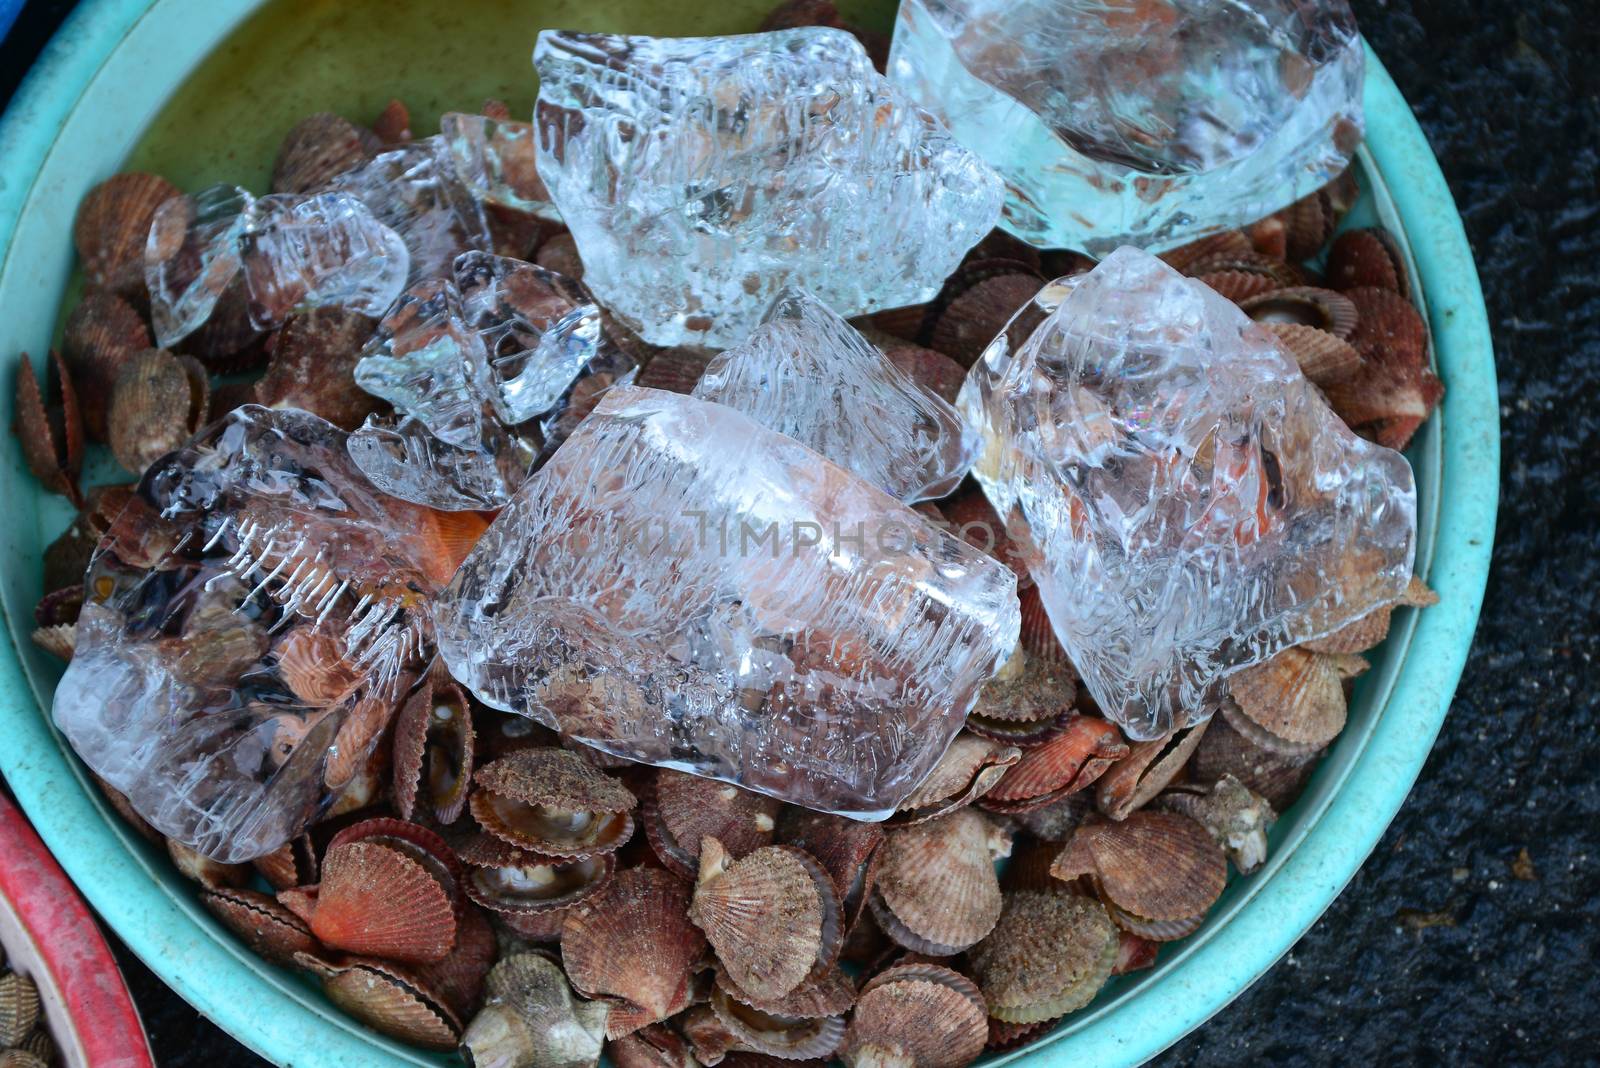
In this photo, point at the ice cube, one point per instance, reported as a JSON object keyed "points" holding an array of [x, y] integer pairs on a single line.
{"points": [[428, 363], [682, 586], [1186, 501], [496, 159], [807, 373], [1147, 124], [312, 251], [699, 176], [191, 257]]}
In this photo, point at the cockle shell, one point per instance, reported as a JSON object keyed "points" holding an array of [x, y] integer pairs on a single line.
{"points": [[514, 882], [112, 226], [917, 1014], [1155, 865], [157, 403], [773, 917], [1131, 782], [316, 149], [434, 747], [389, 889], [936, 891], [102, 333], [1048, 955], [554, 802], [807, 1022], [847, 849], [19, 1007]]}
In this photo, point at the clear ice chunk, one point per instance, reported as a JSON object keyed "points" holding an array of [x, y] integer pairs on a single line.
{"points": [[312, 251], [428, 363], [539, 329], [407, 460], [414, 191], [1146, 124], [682, 586], [191, 256], [807, 373], [250, 622], [1186, 501], [497, 160], [699, 176]]}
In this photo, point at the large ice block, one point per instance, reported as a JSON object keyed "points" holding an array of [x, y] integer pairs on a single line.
{"points": [[1186, 501], [807, 373], [682, 586], [699, 176], [249, 624], [1145, 123]]}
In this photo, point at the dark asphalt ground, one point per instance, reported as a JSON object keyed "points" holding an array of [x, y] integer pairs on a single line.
{"points": [[1470, 936]]}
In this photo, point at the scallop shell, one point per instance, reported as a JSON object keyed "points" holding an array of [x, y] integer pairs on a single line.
{"points": [[1048, 955], [393, 124], [433, 748], [773, 917], [1250, 261], [680, 810], [102, 333], [1324, 309], [1238, 285], [1277, 777], [633, 941], [1056, 821], [1223, 243], [314, 151], [968, 770], [929, 368], [52, 441], [553, 802], [789, 1035], [829, 993], [532, 1018], [157, 403], [1008, 1036], [19, 1007], [559, 253], [265, 925], [1147, 769], [1023, 735], [1155, 930], [60, 640], [292, 864], [1026, 690], [847, 849], [654, 1046], [376, 900], [937, 892], [1373, 627], [1065, 764], [1297, 696], [513, 882], [458, 978], [1134, 954], [112, 226], [966, 324], [1323, 358], [971, 517], [209, 873], [228, 341], [313, 364], [389, 998], [1366, 258], [707, 1035], [1236, 818], [1395, 390], [1156, 865], [919, 1014]]}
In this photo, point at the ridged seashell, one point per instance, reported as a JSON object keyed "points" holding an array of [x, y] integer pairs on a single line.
{"points": [[51, 439], [389, 889], [968, 770], [1131, 782], [292, 864], [1322, 357], [1238, 285], [907, 323], [559, 253], [1395, 390], [1278, 777], [847, 849], [315, 150], [158, 402], [512, 881], [806, 1023], [433, 749], [1236, 818], [458, 979], [633, 941], [1134, 954], [655, 1046], [265, 925], [970, 320], [970, 517], [1297, 696], [1025, 735], [675, 370], [553, 802], [311, 663], [313, 363], [1324, 309], [393, 124], [209, 873], [1251, 262], [40, 1045], [1223, 243], [1373, 627], [59, 640], [773, 916], [1048, 955], [1056, 821], [389, 998], [19, 1007], [1026, 690], [937, 892], [1037, 636], [228, 341], [1005, 1036], [917, 1014], [533, 927], [1155, 865], [707, 1034], [1155, 930], [927, 367], [680, 810], [102, 333], [1065, 764], [1366, 258], [112, 226], [1028, 867]]}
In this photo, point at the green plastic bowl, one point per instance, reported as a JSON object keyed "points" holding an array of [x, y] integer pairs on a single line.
{"points": [[202, 90]]}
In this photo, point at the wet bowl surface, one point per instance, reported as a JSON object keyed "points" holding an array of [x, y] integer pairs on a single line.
{"points": [[202, 90]]}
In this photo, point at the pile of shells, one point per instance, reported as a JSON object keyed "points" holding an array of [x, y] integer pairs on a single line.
{"points": [[24, 1039], [490, 887]]}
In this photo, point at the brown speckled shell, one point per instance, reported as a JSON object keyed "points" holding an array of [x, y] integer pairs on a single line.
{"points": [[557, 779], [112, 226], [159, 401], [922, 1014], [1049, 954], [316, 149], [266, 926], [1297, 696], [680, 809], [847, 849], [969, 769]]}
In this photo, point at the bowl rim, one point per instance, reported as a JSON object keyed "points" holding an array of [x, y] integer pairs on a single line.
{"points": [[269, 1014]]}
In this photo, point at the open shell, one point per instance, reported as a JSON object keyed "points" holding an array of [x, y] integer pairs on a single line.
{"points": [[1147, 769], [554, 802], [514, 882], [433, 747], [680, 810], [969, 769], [1065, 764], [531, 1017], [388, 998], [264, 925], [847, 849], [806, 1023]]}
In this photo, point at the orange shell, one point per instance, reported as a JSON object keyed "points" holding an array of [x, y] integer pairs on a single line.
{"points": [[1065, 764], [1365, 258], [1134, 954], [376, 900], [1134, 780], [969, 769], [292, 864], [937, 892], [312, 665], [919, 1014], [1156, 865], [633, 941]]}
